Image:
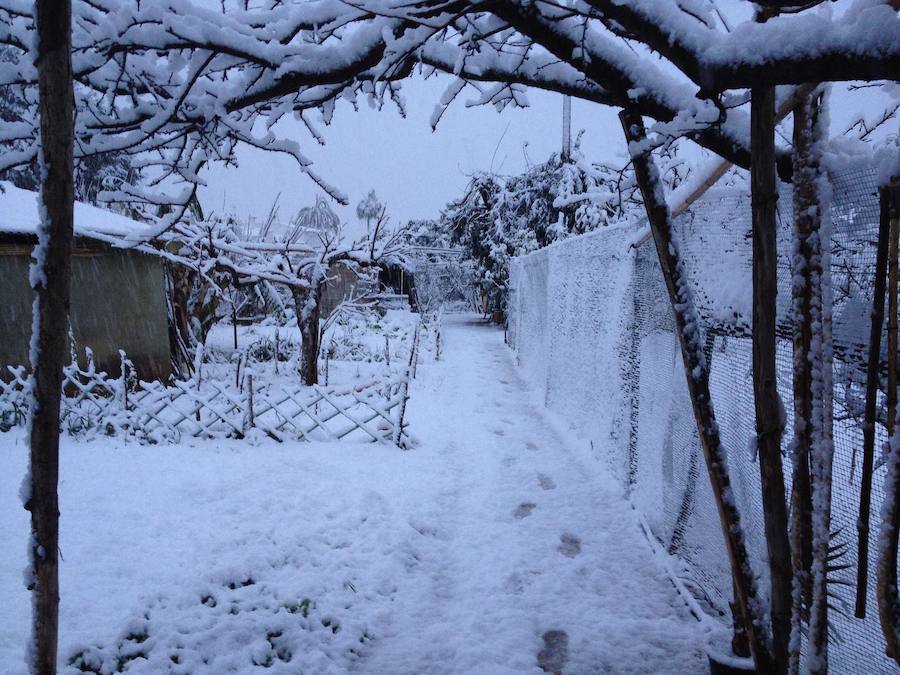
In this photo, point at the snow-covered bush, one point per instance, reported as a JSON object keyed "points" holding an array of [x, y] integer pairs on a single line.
{"points": [[499, 217]]}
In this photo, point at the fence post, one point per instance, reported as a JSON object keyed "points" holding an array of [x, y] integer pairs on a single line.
{"points": [[276, 350], [404, 389], [123, 368], [198, 367], [439, 323], [870, 413], [886, 588], [250, 418]]}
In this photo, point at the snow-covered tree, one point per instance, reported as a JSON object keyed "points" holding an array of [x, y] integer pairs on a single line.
{"points": [[370, 209], [175, 85], [499, 217]]}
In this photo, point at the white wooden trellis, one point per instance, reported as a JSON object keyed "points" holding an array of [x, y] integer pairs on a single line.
{"points": [[95, 402]]}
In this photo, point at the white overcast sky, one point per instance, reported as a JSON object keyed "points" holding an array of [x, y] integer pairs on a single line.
{"points": [[413, 169]]}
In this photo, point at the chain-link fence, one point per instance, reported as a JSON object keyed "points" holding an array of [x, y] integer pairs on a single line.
{"points": [[590, 321]]}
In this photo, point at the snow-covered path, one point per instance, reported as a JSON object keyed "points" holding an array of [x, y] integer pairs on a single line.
{"points": [[526, 536], [455, 557]]}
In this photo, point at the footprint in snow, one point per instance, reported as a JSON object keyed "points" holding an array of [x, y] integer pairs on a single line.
{"points": [[531, 446], [553, 657], [517, 582], [508, 461], [569, 545], [546, 482], [498, 432], [524, 510]]}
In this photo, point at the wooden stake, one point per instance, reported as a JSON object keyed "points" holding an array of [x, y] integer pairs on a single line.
{"points": [[801, 499], [52, 283], [893, 246], [886, 590], [765, 389], [813, 404], [250, 417], [872, 377]]}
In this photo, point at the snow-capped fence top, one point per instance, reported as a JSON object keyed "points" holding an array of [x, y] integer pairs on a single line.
{"points": [[95, 403]]}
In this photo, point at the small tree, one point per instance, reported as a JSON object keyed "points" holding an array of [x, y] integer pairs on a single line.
{"points": [[370, 209], [221, 260], [49, 344]]}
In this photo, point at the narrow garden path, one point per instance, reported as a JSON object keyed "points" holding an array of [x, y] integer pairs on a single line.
{"points": [[493, 546], [528, 554]]}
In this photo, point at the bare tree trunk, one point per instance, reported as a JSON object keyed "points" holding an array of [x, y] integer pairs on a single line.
{"points": [[306, 302], [765, 390], [812, 447], [49, 340], [892, 272], [888, 598], [697, 372], [180, 332]]}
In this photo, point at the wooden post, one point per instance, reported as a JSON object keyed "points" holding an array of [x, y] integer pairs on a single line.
{"points": [[893, 245], [123, 373], [277, 350], [401, 413], [812, 364], [49, 341], [327, 361], [801, 496], [872, 377], [198, 371], [234, 324], [697, 375], [250, 417], [888, 598], [765, 390], [414, 355]]}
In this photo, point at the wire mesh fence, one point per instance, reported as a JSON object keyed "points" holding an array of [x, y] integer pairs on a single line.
{"points": [[591, 325]]}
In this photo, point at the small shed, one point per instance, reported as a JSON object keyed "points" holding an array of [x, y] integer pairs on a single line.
{"points": [[118, 296]]}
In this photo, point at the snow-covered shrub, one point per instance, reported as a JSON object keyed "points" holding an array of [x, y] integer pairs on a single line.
{"points": [[500, 217], [238, 626]]}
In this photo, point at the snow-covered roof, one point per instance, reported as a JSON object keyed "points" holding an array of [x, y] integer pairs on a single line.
{"points": [[19, 215]]}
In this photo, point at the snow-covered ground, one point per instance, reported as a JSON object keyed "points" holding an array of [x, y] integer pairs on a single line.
{"points": [[458, 556]]}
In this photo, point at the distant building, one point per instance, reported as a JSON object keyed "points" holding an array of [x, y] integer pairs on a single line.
{"points": [[118, 296]]}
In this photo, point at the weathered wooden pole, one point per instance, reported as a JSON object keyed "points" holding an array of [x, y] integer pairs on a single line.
{"points": [[251, 418], [687, 326], [869, 414], [765, 390], [886, 590], [892, 282], [49, 343], [812, 445]]}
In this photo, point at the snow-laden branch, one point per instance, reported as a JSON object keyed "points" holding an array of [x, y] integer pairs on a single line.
{"points": [[178, 83]]}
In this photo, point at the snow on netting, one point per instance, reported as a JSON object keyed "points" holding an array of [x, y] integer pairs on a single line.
{"points": [[590, 322]]}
